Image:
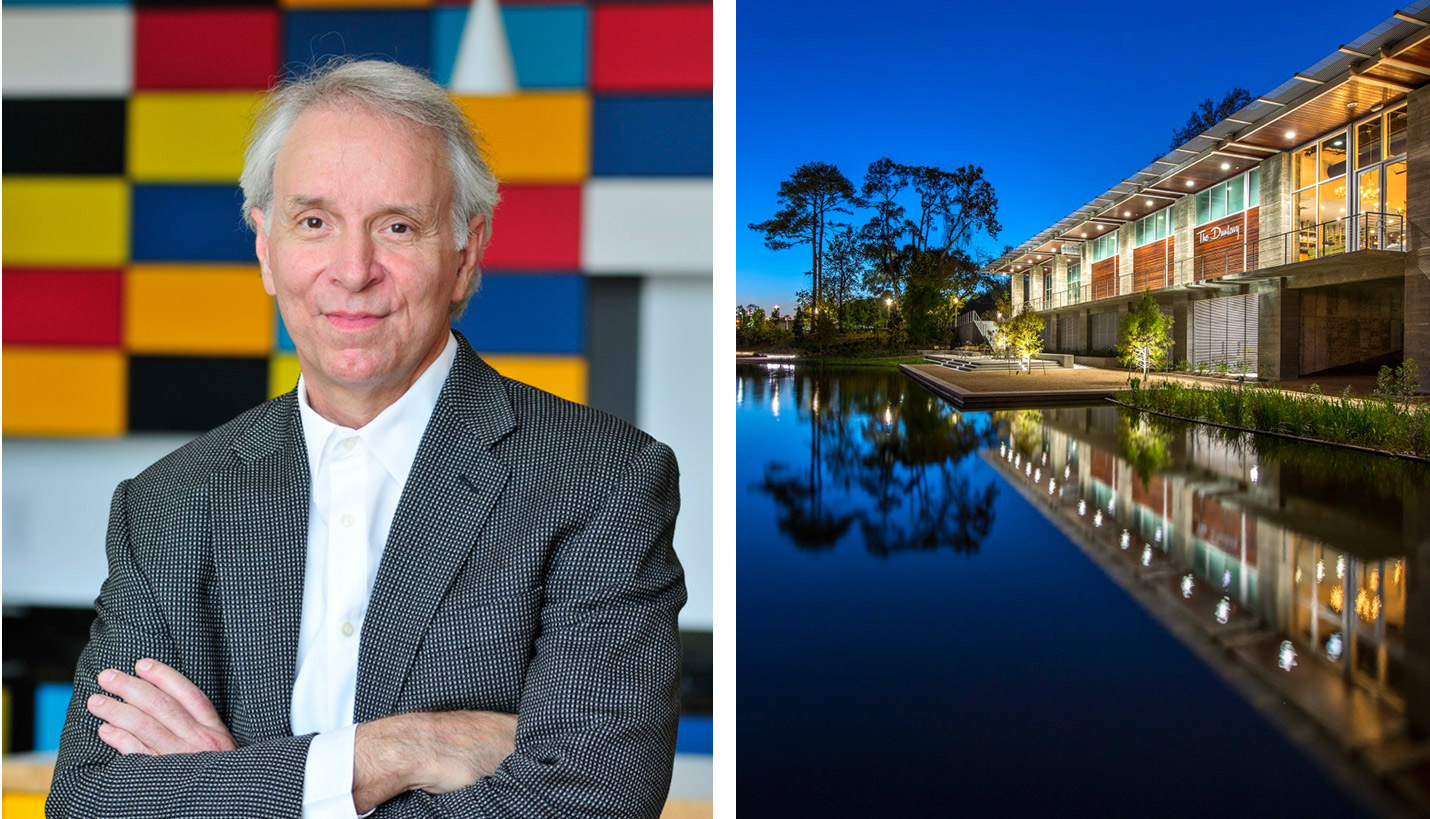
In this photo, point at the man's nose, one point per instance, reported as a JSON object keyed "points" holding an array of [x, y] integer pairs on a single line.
{"points": [[356, 266]]}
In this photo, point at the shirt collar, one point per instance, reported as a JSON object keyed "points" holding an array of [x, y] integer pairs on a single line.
{"points": [[394, 435]]}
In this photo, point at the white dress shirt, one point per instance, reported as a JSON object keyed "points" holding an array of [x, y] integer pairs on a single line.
{"points": [[357, 479]]}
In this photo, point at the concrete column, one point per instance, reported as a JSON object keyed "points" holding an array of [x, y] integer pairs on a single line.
{"points": [[1182, 329], [1275, 218], [1015, 281], [1278, 333], [1184, 214], [1126, 243], [1417, 206], [1060, 279]]}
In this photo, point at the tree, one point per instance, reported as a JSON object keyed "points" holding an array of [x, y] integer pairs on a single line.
{"points": [[807, 201], [1207, 114], [884, 181], [1023, 335], [843, 268], [1145, 335], [741, 316]]}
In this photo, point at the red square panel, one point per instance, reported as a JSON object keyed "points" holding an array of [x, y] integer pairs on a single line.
{"points": [[536, 227], [79, 307], [652, 47], [205, 48]]}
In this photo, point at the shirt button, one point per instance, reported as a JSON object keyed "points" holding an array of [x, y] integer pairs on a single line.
{"points": [[346, 520], [349, 443], [347, 629]]}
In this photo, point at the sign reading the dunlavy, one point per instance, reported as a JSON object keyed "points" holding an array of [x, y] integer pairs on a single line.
{"points": [[1213, 233]]}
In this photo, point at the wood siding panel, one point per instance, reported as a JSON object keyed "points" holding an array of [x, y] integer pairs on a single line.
{"points": [[1104, 278], [1219, 247], [1152, 265]]}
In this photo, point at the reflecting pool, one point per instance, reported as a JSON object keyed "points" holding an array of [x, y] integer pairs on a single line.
{"points": [[1071, 610]]}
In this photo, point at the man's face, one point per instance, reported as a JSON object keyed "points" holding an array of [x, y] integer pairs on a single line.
{"points": [[360, 253]]}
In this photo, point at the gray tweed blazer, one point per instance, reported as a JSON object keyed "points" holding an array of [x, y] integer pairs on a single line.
{"points": [[529, 569]]}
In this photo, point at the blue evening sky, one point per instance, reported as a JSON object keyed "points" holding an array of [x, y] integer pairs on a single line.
{"points": [[1056, 101]]}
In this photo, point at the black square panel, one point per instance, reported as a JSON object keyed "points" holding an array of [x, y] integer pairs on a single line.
{"points": [[174, 394]]}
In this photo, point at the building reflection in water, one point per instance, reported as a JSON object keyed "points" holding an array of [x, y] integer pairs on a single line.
{"points": [[1295, 560]]}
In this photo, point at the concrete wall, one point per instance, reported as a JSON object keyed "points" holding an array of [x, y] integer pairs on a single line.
{"points": [[1348, 323], [1278, 331], [1275, 216], [1417, 268], [1126, 244], [1184, 213]]}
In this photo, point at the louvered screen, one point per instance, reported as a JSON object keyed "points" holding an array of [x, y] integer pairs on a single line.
{"points": [[1070, 334], [1225, 330], [1103, 328]]}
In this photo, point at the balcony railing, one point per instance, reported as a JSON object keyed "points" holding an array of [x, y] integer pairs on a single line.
{"points": [[1362, 231]]}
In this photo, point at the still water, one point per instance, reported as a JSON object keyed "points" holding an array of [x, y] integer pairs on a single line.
{"points": [[1073, 611]]}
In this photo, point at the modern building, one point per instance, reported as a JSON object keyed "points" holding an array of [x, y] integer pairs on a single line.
{"points": [[1290, 239]]}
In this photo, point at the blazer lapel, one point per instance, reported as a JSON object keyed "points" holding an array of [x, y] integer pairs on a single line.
{"points": [[260, 523], [454, 482]]}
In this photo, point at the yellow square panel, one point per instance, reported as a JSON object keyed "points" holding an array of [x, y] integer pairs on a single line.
{"points": [[51, 220], [188, 137], [197, 310], [562, 375], [283, 372], [52, 391], [23, 806], [534, 137]]}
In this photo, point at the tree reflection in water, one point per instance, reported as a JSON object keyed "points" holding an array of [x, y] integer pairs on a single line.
{"points": [[885, 454]]}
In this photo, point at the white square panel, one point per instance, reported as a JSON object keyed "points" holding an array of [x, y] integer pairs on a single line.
{"points": [[68, 52], [631, 226]]}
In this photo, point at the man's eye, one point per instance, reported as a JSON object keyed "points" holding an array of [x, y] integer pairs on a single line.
{"points": [[400, 227], [312, 222]]}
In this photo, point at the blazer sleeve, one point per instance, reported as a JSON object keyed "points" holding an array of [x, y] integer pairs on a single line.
{"points": [[596, 730], [92, 779]]}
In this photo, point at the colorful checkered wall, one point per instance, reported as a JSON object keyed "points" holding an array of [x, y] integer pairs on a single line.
{"points": [[131, 295], [133, 312]]}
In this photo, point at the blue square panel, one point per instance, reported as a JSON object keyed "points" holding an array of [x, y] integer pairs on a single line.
{"points": [[403, 36], [548, 45], [652, 136], [447, 24], [52, 701], [527, 313], [189, 223]]}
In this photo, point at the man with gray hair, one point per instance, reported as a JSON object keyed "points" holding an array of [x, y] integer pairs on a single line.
{"points": [[410, 585]]}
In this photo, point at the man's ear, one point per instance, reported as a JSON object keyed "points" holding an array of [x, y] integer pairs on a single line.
{"points": [[260, 249], [470, 257]]}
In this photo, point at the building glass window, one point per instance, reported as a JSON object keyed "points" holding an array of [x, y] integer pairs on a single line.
{"points": [[1336, 211], [1074, 281], [1104, 247], [1153, 227], [1368, 142], [1395, 132], [1229, 198], [1333, 157]]}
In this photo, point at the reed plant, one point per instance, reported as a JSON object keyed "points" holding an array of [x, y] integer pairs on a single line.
{"points": [[1382, 423]]}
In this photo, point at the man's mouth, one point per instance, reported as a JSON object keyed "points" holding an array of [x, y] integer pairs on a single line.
{"points": [[351, 319]]}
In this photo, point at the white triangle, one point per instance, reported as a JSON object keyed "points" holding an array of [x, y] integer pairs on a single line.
{"points": [[484, 63]]}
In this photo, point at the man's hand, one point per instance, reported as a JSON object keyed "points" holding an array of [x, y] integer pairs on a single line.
{"points": [[162, 713], [436, 752]]}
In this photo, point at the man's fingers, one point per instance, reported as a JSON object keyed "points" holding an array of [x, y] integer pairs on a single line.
{"points": [[123, 741], [189, 696], [152, 734], [144, 696]]}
